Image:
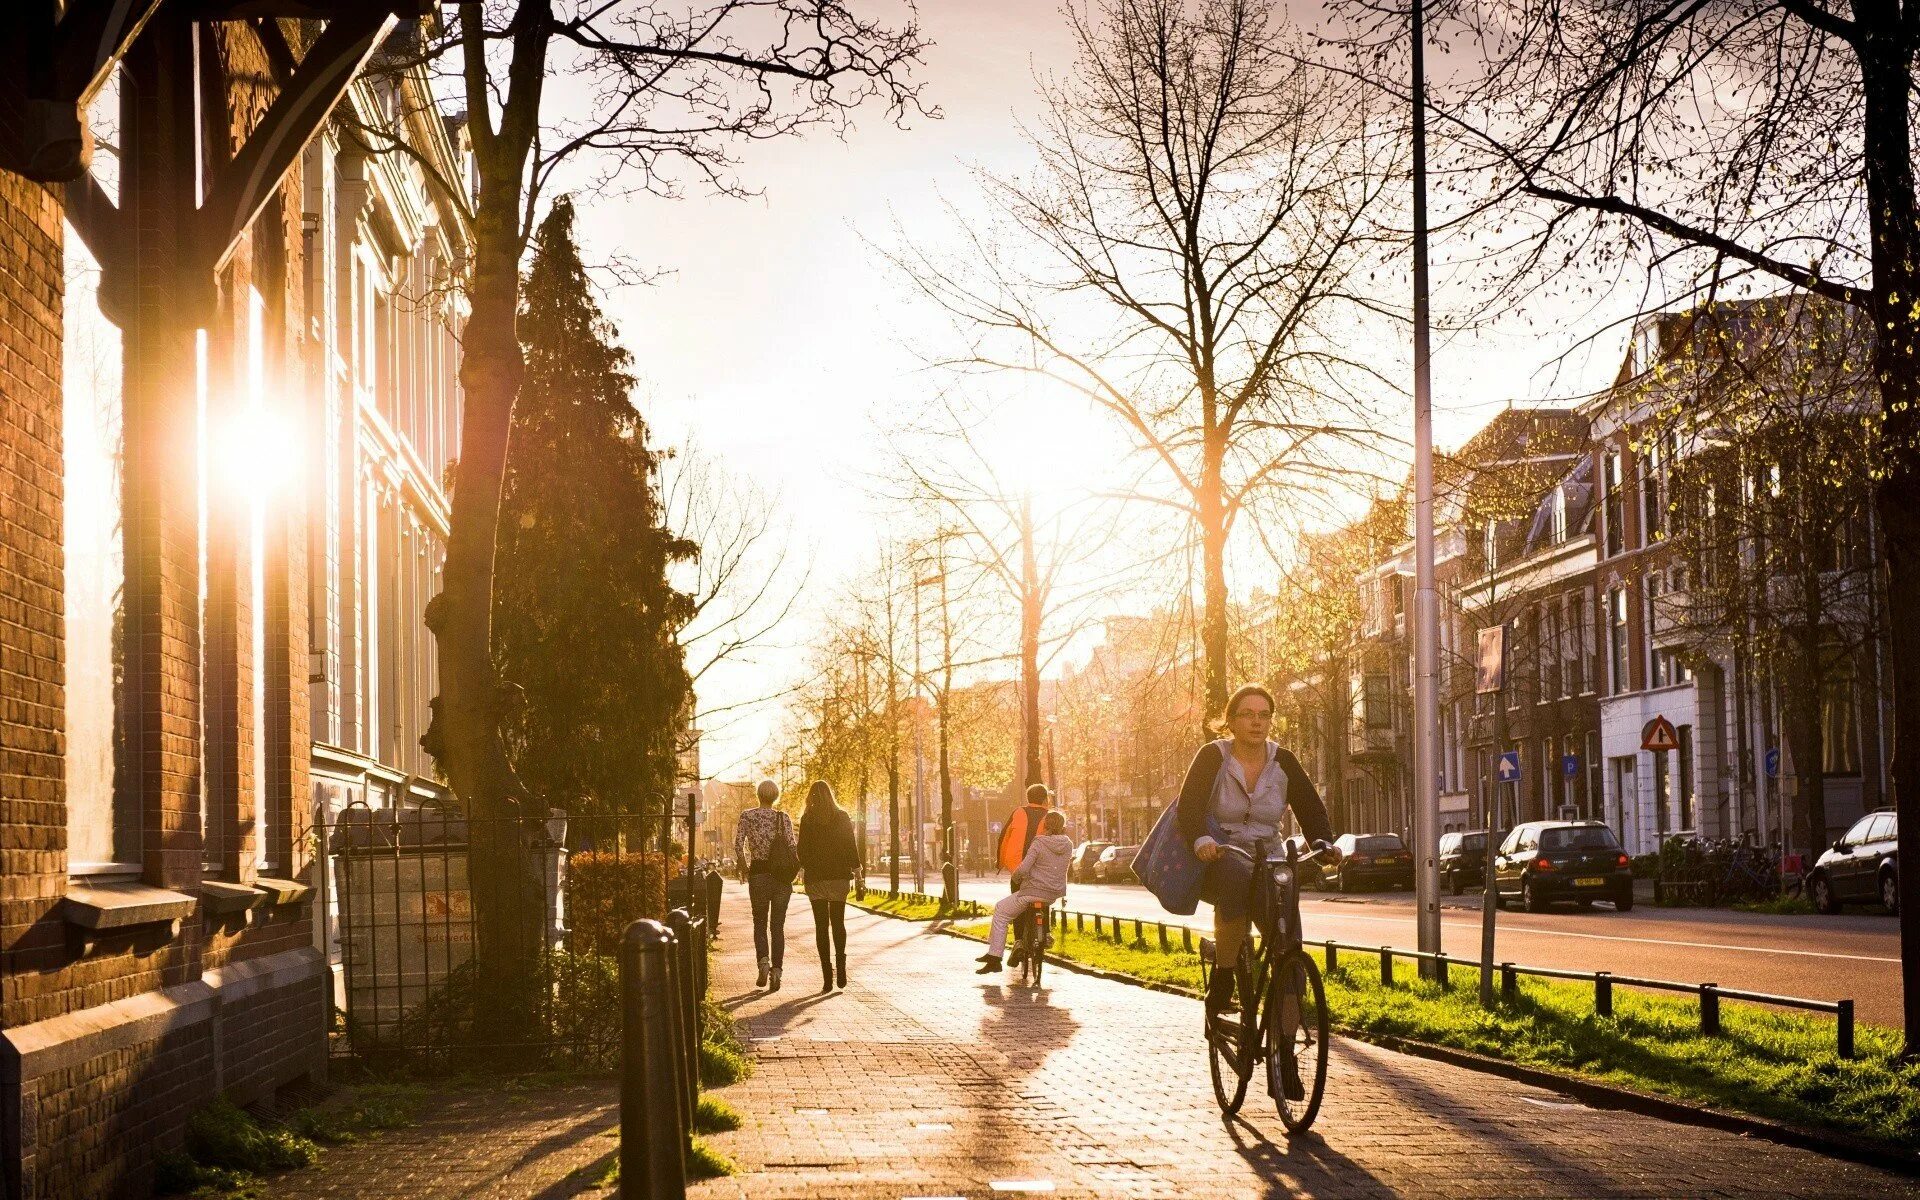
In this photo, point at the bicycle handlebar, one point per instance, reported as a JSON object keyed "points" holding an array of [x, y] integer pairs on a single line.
{"points": [[1307, 857]]}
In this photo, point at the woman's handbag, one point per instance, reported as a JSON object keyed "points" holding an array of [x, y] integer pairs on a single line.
{"points": [[1168, 867], [782, 863]]}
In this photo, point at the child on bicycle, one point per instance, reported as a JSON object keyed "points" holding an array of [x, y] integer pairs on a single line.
{"points": [[1040, 878]]}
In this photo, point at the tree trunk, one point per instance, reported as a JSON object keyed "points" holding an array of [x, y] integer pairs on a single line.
{"points": [[1029, 646], [1213, 567], [466, 737], [1893, 213]]}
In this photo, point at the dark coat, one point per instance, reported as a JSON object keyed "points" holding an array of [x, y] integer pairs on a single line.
{"points": [[1196, 795], [828, 849]]}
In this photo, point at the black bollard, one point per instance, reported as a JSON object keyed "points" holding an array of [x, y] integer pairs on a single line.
{"points": [[653, 1133], [681, 925]]}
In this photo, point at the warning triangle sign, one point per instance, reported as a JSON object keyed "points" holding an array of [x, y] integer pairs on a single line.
{"points": [[1659, 734]]}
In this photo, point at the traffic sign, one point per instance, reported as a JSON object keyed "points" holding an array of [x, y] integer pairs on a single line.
{"points": [[1509, 769], [1659, 734], [1570, 765], [1772, 761]]}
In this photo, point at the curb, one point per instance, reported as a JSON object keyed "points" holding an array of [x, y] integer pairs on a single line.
{"points": [[1589, 1091]]}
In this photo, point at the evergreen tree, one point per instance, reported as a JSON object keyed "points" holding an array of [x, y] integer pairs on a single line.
{"points": [[585, 620]]}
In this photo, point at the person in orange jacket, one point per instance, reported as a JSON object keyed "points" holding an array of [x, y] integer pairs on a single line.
{"points": [[1016, 837]]}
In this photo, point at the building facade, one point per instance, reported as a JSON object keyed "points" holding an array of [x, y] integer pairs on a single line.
{"points": [[215, 545]]}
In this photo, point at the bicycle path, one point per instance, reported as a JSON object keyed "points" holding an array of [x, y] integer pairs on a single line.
{"points": [[925, 1080]]}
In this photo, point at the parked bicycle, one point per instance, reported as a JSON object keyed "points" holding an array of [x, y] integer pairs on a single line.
{"points": [[1282, 1024]]}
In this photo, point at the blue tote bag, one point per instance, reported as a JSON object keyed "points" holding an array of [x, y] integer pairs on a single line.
{"points": [[1168, 866]]}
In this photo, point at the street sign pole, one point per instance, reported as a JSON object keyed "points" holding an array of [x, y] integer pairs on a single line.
{"points": [[1491, 678], [1426, 637]]}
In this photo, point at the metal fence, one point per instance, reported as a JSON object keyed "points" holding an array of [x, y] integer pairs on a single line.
{"points": [[459, 940]]}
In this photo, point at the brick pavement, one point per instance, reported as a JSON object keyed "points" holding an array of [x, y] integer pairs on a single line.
{"points": [[923, 1080]]}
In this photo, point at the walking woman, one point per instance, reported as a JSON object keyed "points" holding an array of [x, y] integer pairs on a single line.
{"points": [[763, 845], [830, 856], [1236, 792]]}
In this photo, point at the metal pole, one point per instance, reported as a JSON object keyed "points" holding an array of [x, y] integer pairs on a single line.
{"points": [[1426, 638], [653, 1135], [681, 923]]}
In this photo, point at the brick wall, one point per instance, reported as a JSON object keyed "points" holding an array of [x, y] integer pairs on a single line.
{"points": [[108, 1047]]}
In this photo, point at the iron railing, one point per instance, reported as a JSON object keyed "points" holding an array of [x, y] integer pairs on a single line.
{"points": [[1709, 995]]}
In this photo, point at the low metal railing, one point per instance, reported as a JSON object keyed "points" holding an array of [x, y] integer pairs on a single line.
{"points": [[1603, 982]]}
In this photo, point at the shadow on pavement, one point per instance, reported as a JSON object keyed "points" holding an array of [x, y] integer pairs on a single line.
{"points": [[1303, 1165]]}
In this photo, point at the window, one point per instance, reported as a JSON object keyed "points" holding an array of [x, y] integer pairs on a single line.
{"points": [[103, 826], [1617, 639], [1686, 775], [1550, 653], [1578, 837], [1615, 511], [1653, 489], [1378, 702], [1559, 515]]}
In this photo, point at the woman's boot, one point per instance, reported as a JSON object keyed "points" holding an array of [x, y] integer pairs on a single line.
{"points": [[761, 979], [842, 970]]}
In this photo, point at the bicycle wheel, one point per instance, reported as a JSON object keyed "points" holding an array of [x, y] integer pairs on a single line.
{"points": [[1226, 1061], [1037, 956], [1296, 1029]]}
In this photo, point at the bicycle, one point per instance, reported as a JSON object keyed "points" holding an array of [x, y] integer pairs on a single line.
{"points": [[1033, 945], [1282, 1022]]}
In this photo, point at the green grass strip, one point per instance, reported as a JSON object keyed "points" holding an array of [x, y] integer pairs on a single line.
{"points": [[913, 908], [1770, 1063]]}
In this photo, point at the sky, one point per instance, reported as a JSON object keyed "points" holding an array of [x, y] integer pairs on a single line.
{"points": [[780, 341]]}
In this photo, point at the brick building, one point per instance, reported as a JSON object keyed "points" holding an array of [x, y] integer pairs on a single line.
{"points": [[205, 450]]}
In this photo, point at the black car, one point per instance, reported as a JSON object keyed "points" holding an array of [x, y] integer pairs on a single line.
{"points": [[1546, 861], [1860, 868], [1370, 859], [1463, 860], [1085, 855]]}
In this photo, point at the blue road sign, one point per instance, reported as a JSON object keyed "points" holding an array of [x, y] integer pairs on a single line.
{"points": [[1773, 762], [1509, 769], [1570, 765]]}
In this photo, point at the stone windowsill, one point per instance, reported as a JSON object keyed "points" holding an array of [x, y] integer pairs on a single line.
{"points": [[224, 899], [283, 891], [98, 905]]}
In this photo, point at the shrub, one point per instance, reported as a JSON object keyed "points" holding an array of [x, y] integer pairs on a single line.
{"points": [[225, 1135], [607, 891]]}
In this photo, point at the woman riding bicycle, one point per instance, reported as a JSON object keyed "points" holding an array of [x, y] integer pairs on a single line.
{"points": [[1237, 790]]}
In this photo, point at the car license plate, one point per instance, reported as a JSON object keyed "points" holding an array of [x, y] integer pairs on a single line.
{"points": [[1590, 882]]}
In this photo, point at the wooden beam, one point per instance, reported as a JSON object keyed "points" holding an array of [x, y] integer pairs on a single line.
{"points": [[323, 10], [89, 40], [244, 185]]}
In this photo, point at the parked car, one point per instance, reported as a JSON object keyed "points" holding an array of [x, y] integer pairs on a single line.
{"points": [[1860, 868], [1370, 860], [1463, 860], [1085, 855], [1546, 861], [1115, 864]]}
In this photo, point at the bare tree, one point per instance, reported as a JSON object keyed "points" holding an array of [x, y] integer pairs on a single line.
{"points": [[1039, 547], [746, 582], [1185, 261]]}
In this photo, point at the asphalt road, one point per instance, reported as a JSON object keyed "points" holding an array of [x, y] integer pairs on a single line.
{"points": [[1853, 956]]}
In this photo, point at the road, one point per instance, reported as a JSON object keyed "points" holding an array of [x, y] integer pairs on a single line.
{"points": [[1853, 956]]}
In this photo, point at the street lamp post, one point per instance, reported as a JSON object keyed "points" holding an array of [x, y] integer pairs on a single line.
{"points": [[1426, 708]]}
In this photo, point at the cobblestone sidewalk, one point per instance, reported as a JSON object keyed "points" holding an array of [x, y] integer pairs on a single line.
{"points": [[924, 1080]]}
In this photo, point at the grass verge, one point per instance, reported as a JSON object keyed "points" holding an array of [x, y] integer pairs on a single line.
{"points": [[913, 909], [1767, 1063], [228, 1150]]}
